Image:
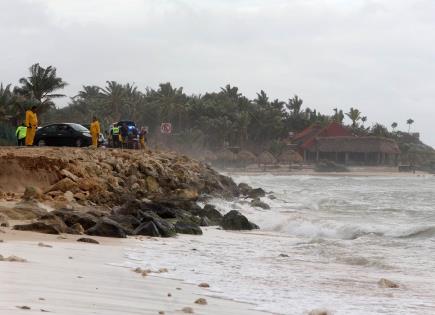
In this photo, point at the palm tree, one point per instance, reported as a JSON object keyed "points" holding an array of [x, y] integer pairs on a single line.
{"points": [[410, 121], [294, 105], [40, 85], [363, 119], [262, 99], [6, 100], [354, 115], [394, 126], [338, 115]]}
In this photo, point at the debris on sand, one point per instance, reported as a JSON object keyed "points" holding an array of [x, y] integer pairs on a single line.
{"points": [[88, 240], [187, 310], [204, 285], [12, 259], [320, 312], [201, 301], [385, 283], [24, 307], [40, 244]]}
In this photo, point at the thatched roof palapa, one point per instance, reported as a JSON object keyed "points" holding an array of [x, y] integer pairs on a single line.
{"points": [[290, 156], [226, 155], [209, 156], [246, 156], [266, 158], [356, 144]]}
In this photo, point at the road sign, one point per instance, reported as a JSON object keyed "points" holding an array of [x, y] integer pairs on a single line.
{"points": [[166, 128]]}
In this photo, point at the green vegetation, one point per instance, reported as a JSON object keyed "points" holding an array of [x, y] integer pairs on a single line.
{"points": [[200, 122]]}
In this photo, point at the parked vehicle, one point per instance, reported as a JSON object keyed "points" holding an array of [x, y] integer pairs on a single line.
{"points": [[65, 134]]}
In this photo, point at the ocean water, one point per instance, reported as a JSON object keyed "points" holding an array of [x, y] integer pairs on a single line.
{"points": [[324, 244]]}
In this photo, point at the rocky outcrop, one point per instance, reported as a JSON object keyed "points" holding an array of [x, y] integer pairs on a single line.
{"points": [[234, 220], [107, 227], [259, 204], [148, 229], [188, 228], [209, 214], [118, 193]]}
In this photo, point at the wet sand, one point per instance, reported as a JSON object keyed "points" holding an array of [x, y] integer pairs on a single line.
{"points": [[80, 278]]}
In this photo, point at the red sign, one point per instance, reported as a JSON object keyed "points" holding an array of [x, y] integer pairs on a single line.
{"points": [[166, 128]]}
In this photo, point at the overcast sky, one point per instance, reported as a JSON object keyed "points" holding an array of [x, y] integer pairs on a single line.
{"points": [[376, 55]]}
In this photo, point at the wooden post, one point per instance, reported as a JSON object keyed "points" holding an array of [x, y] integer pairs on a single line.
{"points": [[346, 158]]}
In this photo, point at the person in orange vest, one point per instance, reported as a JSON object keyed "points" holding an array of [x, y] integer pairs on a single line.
{"points": [[31, 124], [143, 137], [95, 131]]}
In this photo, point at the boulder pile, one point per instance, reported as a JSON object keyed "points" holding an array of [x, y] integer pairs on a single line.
{"points": [[109, 192]]}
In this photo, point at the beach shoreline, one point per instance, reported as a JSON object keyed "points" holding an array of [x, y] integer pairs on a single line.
{"points": [[353, 172], [63, 276]]}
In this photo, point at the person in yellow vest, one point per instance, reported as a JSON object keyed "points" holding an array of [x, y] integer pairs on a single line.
{"points": [[95, 131], [32, 125], [20, 133]]}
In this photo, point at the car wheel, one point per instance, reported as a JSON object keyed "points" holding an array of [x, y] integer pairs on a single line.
{"points": [[41, 143], [79, 142]]}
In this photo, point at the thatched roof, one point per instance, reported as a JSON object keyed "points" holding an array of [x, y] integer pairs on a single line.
{"points": [[247, 156], [266, 158], [356, 144], [290, 156], [226, 155], [209, 156]]}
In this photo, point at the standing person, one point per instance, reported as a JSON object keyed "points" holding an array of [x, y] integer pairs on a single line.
{"points": [[95, 131], [20, 133], [123, 132], [114, 133], [31, 124], [142, 137]]}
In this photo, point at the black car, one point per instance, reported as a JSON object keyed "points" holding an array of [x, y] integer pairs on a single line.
{"points": [[66, 134]]}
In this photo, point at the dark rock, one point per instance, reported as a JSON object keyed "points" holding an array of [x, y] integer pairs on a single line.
{"points": [[205, 222], [71, 217], [213, 215], [77, 228], [4, 221], [165, 228], [259, 204], [244, 188], [148, 216], [256, 193], [188, 228], [40, 227], [147, 228], [234, 220], [88, 240], [130, 207], [107, 227], [128, 222]]}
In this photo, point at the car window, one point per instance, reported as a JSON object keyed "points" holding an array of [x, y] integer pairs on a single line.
{"points": [[50, 128], [63, 128], [79, 127]]}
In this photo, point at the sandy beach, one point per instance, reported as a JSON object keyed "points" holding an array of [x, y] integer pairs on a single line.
{"points": [[79, 278]]}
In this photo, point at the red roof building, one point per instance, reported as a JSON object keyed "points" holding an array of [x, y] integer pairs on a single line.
{"points": [[306, 139], [337, 143]]}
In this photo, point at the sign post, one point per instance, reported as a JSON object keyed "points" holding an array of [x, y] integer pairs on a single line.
{"points": [[166, 128]]}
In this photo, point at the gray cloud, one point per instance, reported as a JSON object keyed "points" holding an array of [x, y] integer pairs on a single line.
{"points": [[372, 54]]}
